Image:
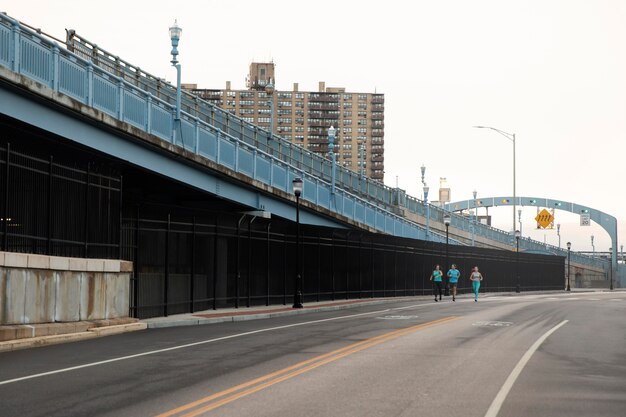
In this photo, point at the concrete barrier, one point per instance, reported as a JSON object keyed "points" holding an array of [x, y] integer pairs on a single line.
{"points": [[48, 289]]}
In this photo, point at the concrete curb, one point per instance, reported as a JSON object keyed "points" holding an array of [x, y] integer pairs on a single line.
{"points": [[195, 321], [70, 337]]}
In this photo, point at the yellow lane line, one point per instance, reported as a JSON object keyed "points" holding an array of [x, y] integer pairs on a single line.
{"points": [[294, 370]]}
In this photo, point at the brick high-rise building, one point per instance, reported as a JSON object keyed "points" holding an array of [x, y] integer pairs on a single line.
{"points": [[303, 117]]}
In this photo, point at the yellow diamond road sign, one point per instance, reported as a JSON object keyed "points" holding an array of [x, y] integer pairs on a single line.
{"points": [[544, 218]]}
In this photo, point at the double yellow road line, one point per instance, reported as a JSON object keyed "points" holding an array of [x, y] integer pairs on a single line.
{"points": [[229, 395]]}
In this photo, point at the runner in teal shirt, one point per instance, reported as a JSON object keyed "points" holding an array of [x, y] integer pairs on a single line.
{"points": [[436, 278], [453, 279]]}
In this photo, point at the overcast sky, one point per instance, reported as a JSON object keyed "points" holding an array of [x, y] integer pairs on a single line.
{"points": [[552, 72]]}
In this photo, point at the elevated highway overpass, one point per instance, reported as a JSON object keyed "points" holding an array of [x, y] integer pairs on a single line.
{"points": [[91, 97]]}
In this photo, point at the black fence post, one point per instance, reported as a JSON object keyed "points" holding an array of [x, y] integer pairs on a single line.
{"points": [[193, 265], [86, 247], [267, 271], [215, 264], [249, 260], [167, 265], [121, 213], [5, 217], [136, 267], [49, 231]]}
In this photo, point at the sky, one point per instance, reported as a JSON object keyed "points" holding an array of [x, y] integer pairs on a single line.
{"points": [[551, 71]]}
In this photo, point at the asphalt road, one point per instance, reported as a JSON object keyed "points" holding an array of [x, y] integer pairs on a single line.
{"points": [[529, 355]]}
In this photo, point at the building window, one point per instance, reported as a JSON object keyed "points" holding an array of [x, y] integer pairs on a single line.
{"points": [[347, 130], [362, 97], [347, 96], [347, 122], [284, 103]]}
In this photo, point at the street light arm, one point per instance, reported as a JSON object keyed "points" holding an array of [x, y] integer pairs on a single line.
{"points": [[509, 136]]}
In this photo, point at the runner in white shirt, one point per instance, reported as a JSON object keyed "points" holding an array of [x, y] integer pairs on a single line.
{"points": [[476, 277]]}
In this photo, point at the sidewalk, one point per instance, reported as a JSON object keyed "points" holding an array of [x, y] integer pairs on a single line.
{"points": [[265, 312]]}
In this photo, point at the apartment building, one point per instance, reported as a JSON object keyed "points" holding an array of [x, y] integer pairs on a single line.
{"points": [[304, 117]]}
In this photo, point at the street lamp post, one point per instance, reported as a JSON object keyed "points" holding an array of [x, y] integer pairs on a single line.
{"points": [[269, 91], [611, 268], [518, 234], [331, 147], [569, 246], [446, 221], [297, 292], [426, 188], [593, 248], [558, 233], [362, 159], [473, 218], [175, 32], [519, 218], [511, 137]]}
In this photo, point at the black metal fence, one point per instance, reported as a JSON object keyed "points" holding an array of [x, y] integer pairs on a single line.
{"points": [[186, 263], [188, 259], [55, 209]]}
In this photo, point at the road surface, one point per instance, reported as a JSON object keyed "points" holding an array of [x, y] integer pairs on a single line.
{"points": [[527, 355]]}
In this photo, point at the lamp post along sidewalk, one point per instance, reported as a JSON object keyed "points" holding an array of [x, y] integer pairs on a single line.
{"points": [[297, 291], [569, 246], [511, 137], [175, 32], [518, 287], [331, 147]]}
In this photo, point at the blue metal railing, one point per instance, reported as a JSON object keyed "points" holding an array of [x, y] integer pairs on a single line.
{"points": [[32, 55]]}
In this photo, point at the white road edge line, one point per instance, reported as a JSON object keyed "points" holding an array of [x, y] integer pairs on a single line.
{"points": [[494, 408], [152, 352]]}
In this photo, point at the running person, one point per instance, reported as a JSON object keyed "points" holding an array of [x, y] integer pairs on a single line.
{"points": [[435, 277], [453, 279], [476, 277]]}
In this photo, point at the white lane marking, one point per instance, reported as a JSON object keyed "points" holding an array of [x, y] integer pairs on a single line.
{"points": [[570, 299], [616, 299], [202, 342], [493, 323], [593, 299], [494, 408], [397, 317], [413, 306]]}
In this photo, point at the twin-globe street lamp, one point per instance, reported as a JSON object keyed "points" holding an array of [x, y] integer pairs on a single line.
{"points": [[427, 206], [569, 246], [297, 292], [175, 32]]}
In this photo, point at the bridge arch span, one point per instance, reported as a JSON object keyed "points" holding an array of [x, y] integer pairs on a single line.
{"points": [[605, 220]]}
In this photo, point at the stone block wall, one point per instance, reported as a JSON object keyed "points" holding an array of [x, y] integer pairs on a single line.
{"points": [[47, 289]]}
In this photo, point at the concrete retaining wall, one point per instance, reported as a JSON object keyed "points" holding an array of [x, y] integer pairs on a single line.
{"points": [[48, 289]]}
